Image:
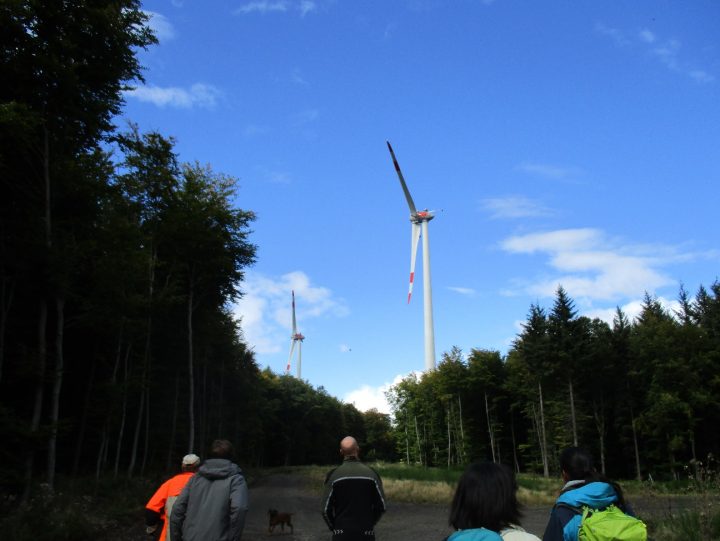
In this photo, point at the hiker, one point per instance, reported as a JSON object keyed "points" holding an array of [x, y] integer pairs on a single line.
{"points": [[157, 510], [354, 500], [586, 493], [213, 504], [485, 506]]}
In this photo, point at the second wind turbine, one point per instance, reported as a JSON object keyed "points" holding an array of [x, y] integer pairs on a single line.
{"points": [[419, 220], [296, 339]]}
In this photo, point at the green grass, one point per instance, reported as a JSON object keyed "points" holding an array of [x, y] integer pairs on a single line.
{"points": [[80, 510]]}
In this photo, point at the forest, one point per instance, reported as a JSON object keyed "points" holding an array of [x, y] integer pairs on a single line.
{"points": [[119, 351]]}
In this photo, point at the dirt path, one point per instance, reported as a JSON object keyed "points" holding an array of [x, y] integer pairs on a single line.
{"points": [[287, 493]]}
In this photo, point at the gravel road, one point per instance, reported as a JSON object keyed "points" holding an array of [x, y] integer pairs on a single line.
{"points": [[403, 521]]}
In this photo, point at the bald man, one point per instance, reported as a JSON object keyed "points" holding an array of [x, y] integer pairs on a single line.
{"points": [[354, 499]]}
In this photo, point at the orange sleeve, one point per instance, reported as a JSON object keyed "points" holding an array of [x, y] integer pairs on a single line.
{"points": [[157, 502]]}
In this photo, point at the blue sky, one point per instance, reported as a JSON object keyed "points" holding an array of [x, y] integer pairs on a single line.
{"points": [[567, 142]]}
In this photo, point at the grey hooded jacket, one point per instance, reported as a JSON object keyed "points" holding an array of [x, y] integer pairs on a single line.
{"points": [[213, 504]]}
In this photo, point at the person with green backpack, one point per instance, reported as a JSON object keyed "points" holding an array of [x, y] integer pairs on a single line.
{"points": [[590, 507]]}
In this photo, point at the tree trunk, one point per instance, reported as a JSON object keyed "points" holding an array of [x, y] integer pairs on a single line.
{"points": [[573, 420], [514, 444], [490, 428], [146, 443], [42, 326], [138, 425], [599, 414], [448, 435], [123, 414], [417, 436], [205, 404], [173, 428], [191, 378], [83, 419], [638, 473], [7, 292], [462, 431], [221, 396], [147, 355], [57, 387], [407, 444], [546, 468], [39, 395], [104, 442]]}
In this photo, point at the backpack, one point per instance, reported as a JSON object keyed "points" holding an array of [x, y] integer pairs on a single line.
{"points": [[609, 524]]}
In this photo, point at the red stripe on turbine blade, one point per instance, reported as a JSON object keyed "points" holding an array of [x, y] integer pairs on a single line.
{"points": [[409, 295]]}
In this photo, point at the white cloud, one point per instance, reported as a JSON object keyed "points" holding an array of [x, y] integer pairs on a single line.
{"points": [[669, 54], [263, 6], [368, 397], [556, 172], [631, 310], [305, 117], [513, 207], [161, 26], [665, 51], [468, 292], [613, 33], [701, 76], [297, 77], [592, 267], [647, 36], [251, 130], [306, 6], [277, 6], [266, 311], [198, 95], [274, 176]]}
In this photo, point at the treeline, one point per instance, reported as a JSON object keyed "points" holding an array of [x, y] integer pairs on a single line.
{"points": [[118, 267], [641, 394]]}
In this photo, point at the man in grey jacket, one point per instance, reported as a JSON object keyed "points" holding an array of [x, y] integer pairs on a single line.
{"points": [[213, 504]]}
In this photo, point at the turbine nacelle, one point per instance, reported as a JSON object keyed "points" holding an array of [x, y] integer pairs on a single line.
{"points": [[422, 216]]}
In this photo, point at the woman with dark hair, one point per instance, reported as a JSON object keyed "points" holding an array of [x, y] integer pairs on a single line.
{"points": [[584, 486], [485, 506]]}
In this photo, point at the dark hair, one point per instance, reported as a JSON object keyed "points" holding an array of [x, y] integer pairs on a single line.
{"points": [[221, 449], [486, 497], [577, 463]]}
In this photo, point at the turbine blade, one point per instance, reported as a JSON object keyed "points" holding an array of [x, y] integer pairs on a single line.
{"points": [[413, 210], [292, 348], [414, 241], [294, 328]]}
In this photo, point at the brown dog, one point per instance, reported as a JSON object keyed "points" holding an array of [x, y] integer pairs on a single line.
{"points": [[276, 518]]}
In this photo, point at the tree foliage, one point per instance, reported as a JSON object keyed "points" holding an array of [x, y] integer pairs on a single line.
{"points": [[642, 395]]}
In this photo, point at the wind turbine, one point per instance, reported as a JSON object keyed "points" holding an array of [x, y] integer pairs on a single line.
{"points": [[296, 338], [419, 220]]}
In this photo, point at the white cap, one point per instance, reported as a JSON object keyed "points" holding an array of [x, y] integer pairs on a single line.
{"points": [[189, 460]]}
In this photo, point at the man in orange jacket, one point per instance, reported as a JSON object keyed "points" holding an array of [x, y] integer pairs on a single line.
{"points": [[158, 509]]}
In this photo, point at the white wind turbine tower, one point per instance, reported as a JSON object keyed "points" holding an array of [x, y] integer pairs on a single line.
{"points": [[296, 338], [419, 221]]}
